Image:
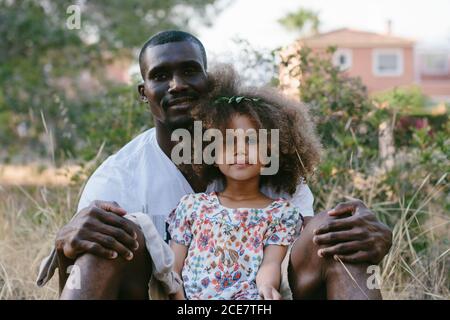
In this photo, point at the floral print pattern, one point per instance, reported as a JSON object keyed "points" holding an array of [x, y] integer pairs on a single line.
{"points": [[225, 246]]}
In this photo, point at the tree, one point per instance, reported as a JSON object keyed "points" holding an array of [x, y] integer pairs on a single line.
{"points": [[42, 63], [299, 20]]}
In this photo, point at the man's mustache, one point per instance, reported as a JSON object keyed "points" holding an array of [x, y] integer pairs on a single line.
{"points": [[168, 101]]}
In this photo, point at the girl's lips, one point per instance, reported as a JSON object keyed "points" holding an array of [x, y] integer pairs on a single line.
{"points": [[241, 161], [241, 165]]}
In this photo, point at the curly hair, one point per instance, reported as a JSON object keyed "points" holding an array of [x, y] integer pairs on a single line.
{"points": [[299, 146]]}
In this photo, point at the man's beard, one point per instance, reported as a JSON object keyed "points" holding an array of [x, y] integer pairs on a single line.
{"points": [[181, 122]]}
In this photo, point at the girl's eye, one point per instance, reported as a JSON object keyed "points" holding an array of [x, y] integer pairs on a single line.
{"points": [[229, 142], [252, 140]]}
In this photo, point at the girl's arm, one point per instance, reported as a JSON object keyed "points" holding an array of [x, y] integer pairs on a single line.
{"points": [[180, 252], [268, 278]]}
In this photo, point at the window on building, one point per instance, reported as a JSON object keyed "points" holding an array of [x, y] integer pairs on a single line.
{"points": [[435, 63], [388, 62], [342, 58]]}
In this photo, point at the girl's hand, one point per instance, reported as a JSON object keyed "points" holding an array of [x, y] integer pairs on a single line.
{"points": [[268, 292], [268, 278]]}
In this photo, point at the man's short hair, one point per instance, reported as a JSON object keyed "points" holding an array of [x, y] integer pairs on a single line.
{"points": [[170, 36]]}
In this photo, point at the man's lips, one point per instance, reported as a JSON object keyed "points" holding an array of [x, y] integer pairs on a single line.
{"points": [[179, 102]]}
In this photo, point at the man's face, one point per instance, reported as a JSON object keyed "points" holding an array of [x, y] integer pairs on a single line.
{"points": [[174, 78]]}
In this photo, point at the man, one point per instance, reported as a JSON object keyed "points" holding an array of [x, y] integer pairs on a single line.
{"points": [[110, 250]]}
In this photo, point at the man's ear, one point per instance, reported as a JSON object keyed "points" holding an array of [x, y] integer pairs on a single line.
{"points": [[141, 90]]}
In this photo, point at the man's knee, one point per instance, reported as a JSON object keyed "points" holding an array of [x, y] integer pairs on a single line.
{"points": [[95, 267], [137, 272], [313, 276], [304, 246], [306, 269], [112, 278], [306, 251]]}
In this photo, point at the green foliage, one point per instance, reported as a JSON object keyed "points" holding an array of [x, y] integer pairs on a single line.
{"points": [[348, 121], [345, 117], [404, 100], [414, 112], [113, 118], [256, 66], [298, 20], [43, 108]]}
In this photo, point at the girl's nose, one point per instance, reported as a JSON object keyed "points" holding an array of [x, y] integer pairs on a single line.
{"points": [[240, 149], [241, 157]]}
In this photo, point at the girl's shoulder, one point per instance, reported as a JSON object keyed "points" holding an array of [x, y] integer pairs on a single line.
{"points": [[189, 205], [282, 203], [285, 207], [287, 214], [197, 197]]}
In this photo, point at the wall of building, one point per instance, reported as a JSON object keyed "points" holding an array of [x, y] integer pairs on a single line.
{"points": [[362, 66]]}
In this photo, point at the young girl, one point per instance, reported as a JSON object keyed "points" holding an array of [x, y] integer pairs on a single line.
{"points": [[230, 244]]}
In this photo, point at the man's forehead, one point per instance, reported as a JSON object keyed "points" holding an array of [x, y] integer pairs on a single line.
{"points": [[172, 53]]}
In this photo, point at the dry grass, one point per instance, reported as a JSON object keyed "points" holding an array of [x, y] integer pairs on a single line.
{"points": [[29, 219], [37, 175], [412, 274], [31, 215], [418, 264]]}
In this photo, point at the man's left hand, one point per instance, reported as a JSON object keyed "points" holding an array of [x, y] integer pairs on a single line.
{"points": [[358, 238]]}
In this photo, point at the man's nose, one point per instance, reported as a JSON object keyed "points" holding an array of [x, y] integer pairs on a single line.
{"points": [[177, 84]]}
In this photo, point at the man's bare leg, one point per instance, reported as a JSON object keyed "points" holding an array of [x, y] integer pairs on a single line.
{"points": [[313, 277], [112, 279]]}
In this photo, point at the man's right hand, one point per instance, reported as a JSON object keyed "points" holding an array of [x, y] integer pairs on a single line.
{"points": [[99, 229]]}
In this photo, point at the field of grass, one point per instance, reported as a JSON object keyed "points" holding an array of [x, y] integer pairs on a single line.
{"points": [[30, 216]]}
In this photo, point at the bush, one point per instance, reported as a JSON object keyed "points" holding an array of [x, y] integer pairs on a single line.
{"points": [[348, 121], [113, 118]]}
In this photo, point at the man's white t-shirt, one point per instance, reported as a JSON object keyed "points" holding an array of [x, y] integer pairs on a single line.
{"points": [[141, 178]]}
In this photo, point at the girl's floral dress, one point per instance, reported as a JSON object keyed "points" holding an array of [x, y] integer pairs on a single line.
{"points": [[225, 246]]}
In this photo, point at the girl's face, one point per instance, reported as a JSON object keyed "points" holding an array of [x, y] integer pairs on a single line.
{"points": [[244, 163]]}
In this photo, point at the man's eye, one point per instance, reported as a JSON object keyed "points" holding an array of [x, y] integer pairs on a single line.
{"points": [[189, 71], [160, 76]]}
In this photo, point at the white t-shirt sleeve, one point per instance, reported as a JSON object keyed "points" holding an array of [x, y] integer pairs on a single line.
{"points": [[304, 200], [104, 184]]}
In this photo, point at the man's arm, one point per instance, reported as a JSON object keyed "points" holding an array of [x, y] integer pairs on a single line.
{"points": [[180, 252], [99, 229], [355, 235], [268, 278]]}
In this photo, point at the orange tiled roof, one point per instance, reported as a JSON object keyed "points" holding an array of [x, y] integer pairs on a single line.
{"points": [[354, 38]]}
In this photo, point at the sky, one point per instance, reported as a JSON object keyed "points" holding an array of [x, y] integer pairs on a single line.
{"points": [[428, 22]]}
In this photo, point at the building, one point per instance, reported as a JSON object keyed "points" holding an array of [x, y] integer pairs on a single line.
{"points": [[385, 61]]}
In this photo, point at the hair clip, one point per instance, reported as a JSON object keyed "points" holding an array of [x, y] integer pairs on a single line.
{"points": [[235, 99]]}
